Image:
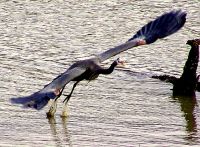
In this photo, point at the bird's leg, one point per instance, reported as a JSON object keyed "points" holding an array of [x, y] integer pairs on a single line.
{"points": [[68, 96], [64, 112], [53, 107]]}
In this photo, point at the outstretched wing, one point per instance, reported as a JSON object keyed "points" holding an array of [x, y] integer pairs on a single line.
{"points": [[163, 26], [39, 99]]}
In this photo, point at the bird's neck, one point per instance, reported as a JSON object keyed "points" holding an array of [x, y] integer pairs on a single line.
{"points": [[108, 70], [190, 68]]}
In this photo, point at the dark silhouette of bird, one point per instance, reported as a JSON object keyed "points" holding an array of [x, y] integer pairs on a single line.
{"points": [[184, 88], [89, 69], [188, 83]]}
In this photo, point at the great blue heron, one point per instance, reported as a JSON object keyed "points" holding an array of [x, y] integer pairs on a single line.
{"points": [[89, 69]]}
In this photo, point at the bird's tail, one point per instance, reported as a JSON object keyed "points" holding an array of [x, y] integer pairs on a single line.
{"points": [[37, 100], [163, 26]]}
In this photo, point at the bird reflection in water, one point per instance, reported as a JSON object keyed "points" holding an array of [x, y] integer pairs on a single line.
{"points": [[64, 140]]}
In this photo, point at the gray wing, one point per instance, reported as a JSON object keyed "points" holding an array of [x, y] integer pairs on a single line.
{"points": [[39, 99], [116, 50], [162, 26], [64, 78]]}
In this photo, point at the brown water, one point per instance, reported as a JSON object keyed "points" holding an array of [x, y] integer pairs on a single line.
{"points": [[40, 39]]}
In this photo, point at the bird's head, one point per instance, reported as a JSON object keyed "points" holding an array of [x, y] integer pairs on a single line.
{"points": [[119, 63], [193, 42]]}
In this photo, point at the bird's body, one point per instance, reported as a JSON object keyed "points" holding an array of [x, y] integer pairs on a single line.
{"points": [[186, 85], [92, 71], [89, 69]]}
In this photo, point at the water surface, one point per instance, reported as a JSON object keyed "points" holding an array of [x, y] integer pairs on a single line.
{"points": [[40, 39]]}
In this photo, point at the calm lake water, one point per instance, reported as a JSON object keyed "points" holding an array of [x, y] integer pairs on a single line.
{"points": [[40, 39]]}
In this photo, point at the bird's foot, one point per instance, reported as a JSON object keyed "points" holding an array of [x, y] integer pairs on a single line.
{"points": [[65, 112], [52, 110], [49, 114]]}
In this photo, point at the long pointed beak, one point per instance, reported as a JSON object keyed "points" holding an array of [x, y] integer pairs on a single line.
{"points": [[121, 63]]}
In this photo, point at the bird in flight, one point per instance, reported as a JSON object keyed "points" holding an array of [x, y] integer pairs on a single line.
{"points": [[89, 69]]}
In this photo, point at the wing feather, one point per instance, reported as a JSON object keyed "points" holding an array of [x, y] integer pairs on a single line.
{"points": [[39, 99], [162, 26]]}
